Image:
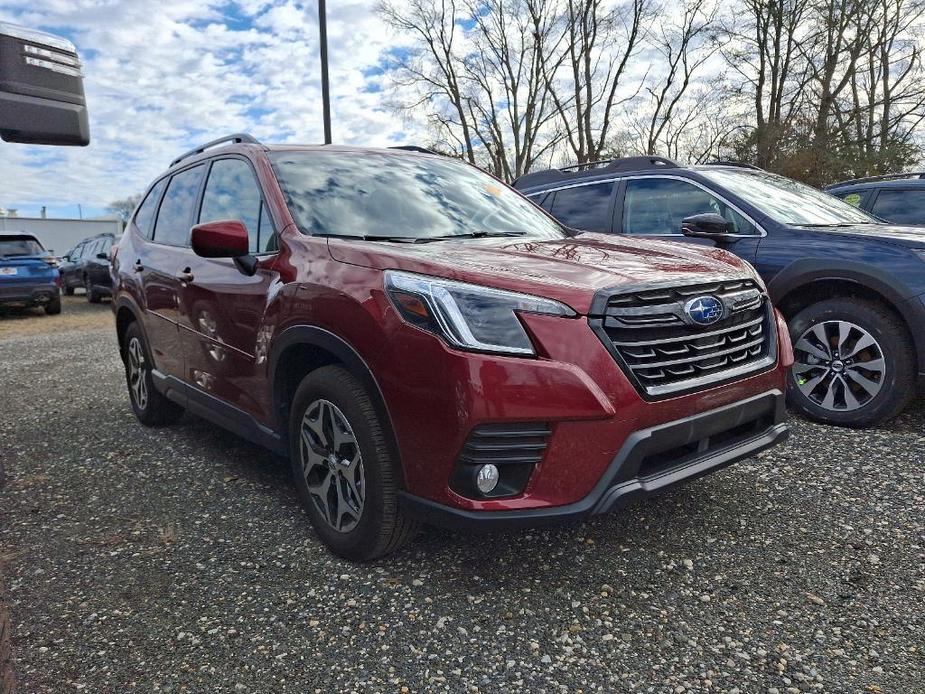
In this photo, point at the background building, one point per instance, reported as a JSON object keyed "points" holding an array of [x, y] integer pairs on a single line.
{"points": [[60, 235]]}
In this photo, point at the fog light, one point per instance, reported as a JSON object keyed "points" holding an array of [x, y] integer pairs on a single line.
{"points": [[487, 478]]}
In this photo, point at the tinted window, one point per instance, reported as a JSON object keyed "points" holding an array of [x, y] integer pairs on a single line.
{"points": [[145, 214], [77, 252], [175, 216], [854, 198], [658, 206], [12, 247], [267, 232], [232, 193], [584, 207], [395, 194], [901, 206]]}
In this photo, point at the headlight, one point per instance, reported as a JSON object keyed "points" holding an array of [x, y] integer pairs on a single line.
{"points": [[468, 316]]}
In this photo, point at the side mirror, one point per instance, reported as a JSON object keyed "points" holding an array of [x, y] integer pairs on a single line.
{"points": [[41, 89], [102, 256], [225, 238], [708, 226]]}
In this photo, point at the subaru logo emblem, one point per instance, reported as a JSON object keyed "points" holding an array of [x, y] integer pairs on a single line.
{"points": [[704, 310]]}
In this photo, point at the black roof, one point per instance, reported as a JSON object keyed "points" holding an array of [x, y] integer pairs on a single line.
{"points": [[596, 168], [878, 179]]}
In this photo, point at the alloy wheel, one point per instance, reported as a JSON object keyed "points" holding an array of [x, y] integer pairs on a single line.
{"points": [[332, 465], [136, 373], [838, 365]]}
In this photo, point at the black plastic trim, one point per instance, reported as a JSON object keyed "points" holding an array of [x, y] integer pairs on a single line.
{"points": [[621, 483], [219, 412]]}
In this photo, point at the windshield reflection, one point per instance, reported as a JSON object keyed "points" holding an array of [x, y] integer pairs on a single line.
{"points": [[786, 201], [399, 195]]}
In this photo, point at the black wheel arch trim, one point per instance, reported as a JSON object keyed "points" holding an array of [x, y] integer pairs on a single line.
{"points": [[314, 336], [128, 303], [901, 299]]}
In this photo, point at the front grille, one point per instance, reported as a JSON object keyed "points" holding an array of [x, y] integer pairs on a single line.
{"points": [[515, 448], [664, 351]]}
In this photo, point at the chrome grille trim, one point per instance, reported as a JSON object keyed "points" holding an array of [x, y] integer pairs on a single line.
{"points": [[664, 352]]}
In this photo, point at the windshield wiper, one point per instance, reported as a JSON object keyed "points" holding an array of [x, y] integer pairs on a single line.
{"points": [[471, 235], [371, 237], [833, 224]]}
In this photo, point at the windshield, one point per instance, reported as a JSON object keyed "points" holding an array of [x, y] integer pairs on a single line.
{"points": [[402, 196], [20, 247], [786, 201]]}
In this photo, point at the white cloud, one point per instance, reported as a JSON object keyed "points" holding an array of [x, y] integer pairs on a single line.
{"points": [[165, 75]]}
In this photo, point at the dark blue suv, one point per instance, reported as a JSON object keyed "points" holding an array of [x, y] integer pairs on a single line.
{"points": [[896, 198], [851, 287]]}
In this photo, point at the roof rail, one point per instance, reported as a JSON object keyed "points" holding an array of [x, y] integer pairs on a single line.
{"points": [[731, 162], [595, 168], [871, 179], [415, 148], [234, 138]]}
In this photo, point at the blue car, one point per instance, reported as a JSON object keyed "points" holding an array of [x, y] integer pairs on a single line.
{"points": [[896, 198], [28, 274], [851, 286]]}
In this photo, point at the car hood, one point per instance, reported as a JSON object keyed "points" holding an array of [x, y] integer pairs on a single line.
{"points": [[903, 235], [571, 270]]}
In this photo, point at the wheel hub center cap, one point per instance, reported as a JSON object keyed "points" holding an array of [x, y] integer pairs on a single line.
{"points": [[838, 366]]}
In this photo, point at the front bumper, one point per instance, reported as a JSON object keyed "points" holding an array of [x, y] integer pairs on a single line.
{"points": [[28, 293], [649, 461]]}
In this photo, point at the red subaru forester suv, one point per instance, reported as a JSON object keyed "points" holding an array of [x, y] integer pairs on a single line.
{"points": [[426, 345]]}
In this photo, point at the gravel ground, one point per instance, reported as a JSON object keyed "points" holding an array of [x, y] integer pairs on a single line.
{"points": [[179, 560]]}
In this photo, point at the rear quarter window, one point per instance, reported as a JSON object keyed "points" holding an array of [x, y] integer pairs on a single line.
{"points": [[145, 214]]}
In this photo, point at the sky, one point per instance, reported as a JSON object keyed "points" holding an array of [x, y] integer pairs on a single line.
{"points": [[162, 76]]}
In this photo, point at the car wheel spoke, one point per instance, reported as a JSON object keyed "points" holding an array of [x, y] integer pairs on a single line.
{"points": [[332, 465], [835, 379], [804, 345]]}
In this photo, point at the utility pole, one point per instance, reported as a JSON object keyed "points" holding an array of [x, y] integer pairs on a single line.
{"points": [[325, 87]]}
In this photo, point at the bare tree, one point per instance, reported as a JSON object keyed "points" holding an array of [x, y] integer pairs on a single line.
{"points": [[769, 68], [124, 206], [509, 102], [434, 67], [684, 48], [587, 67]]}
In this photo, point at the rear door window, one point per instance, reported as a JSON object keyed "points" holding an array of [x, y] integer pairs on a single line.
{"points": [[585, 207], [901, 206], [175, 216]]}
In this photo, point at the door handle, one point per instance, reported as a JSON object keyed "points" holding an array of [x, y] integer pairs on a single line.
{"points": [[138, 267], [185, 276]]}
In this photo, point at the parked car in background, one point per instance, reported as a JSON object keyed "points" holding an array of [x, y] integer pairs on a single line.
{"points": [[28, 276], [851, 287], [896, 198], [426, 345], [87, 265]]}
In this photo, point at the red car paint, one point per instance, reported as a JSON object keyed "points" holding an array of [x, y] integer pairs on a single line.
{"points": [[218, 331]]}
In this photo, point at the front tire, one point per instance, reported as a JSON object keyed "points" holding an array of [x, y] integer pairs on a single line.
{"points": [[854, 363], [342, 468], [150, 406]]}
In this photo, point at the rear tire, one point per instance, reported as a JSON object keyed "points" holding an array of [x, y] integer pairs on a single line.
{"points": [[855, 365], [93, 296], [343, 470], [150, 406], [53, 307]]}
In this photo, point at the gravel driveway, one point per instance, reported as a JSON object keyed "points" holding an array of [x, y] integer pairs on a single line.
{"points": [[179, 560]]}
